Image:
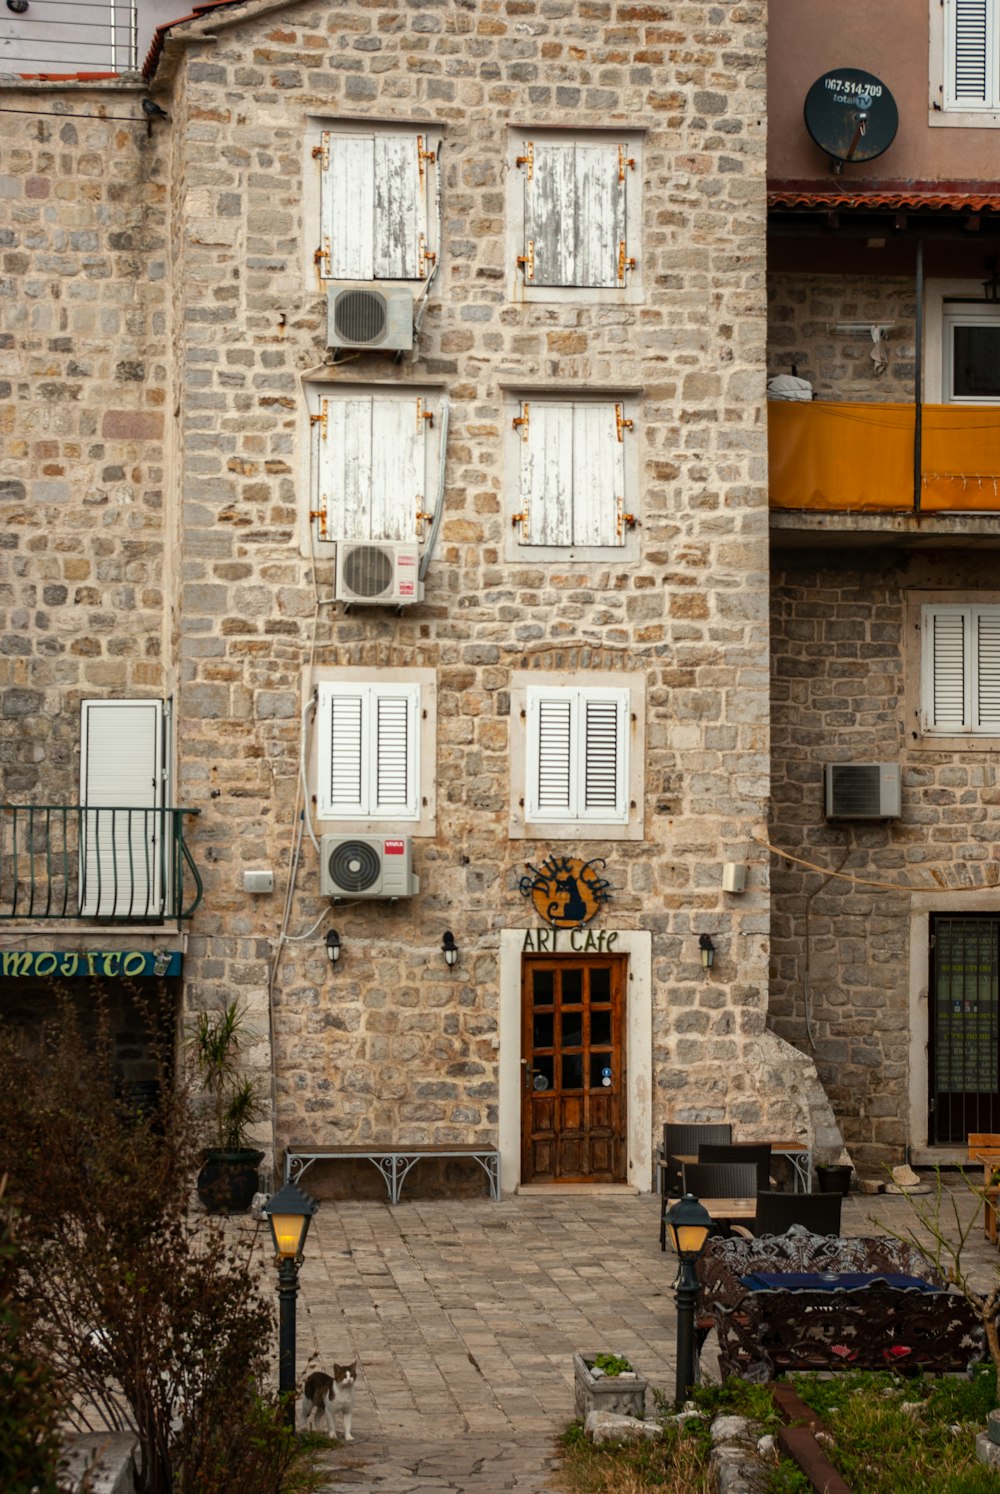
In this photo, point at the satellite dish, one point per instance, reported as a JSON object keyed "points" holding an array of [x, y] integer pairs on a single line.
{"points": [[851, 115]]}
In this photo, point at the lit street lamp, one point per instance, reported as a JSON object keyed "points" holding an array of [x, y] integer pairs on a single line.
{"points": [[688, 1225], [288, 1213]]}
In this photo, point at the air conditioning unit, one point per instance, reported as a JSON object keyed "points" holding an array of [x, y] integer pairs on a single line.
{"points": [[381, 575], [370, 316], [862, 791], [366, 866]]}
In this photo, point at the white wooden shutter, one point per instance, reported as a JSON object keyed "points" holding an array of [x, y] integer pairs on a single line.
{"points": [[374, 201], [577, 746], [971, 41], [572, 474], [371, 467], [368, 751], [124, 859], [945, 673], [574, 213], [987, 625]]}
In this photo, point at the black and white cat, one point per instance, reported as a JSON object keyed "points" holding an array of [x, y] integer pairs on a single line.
{"points": [[324, 1396]]}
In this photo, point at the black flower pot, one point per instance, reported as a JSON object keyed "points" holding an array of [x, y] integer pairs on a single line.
{"points": [[835, 1179], [228, 1180]]}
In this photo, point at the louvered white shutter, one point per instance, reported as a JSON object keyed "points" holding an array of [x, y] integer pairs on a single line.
{"points": [[373, 207], [124, 854], [574, 213], [946, 692], [971, 41], [987, 625], [368, 751], [577, 746], [598, 476], [372, 468]]}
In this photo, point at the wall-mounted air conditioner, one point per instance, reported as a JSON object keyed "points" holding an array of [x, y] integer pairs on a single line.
{"points": [[366, 866], [381, 575], [862, 791], [370, 316]]}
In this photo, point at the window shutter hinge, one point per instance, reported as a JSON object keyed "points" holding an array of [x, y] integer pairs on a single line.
{"points": [[322, 254], [421, 516], [624, 261], [625, 521], [321, 152], [320, 514], [527, 261], [423, 414], [528, 159], [425, 254], [623, 162], [320, 420], [520, 422], [430, 156], [621, 424], [518, 519]]}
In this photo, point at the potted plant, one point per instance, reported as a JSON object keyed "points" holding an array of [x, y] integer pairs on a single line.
{"points": [[834, 1177], [607, 1382], [228, 1180]]}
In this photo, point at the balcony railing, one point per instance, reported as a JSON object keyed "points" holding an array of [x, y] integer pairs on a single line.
{"points": [[121, 865], [864, 457]]}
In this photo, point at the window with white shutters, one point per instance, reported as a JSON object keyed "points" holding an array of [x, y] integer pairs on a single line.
{"points": [[572, 473], [368, 751], [960, 676], [378, 218], [373, 464], [576, 220], [577, 754], [124, 853], [971, 45]]}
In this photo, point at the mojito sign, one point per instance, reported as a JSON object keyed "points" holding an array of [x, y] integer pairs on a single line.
{"points": [[21, 964]]}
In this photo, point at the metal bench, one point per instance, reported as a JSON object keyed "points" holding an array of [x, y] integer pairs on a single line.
{"points": [[393, 1162]]}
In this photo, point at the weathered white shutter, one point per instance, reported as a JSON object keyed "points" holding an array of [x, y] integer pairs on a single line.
{"points": [[970, 54], [577, 745], [574, 213], [373, 207], [124, 861], [372, 466], [987, 625], [368, 751], [572, 474], [946, 682]]}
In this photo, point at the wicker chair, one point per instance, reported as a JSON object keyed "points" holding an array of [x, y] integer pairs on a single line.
{"points": [[721, 1179], [741, 1151], [817, 1212], [682, 1138]]}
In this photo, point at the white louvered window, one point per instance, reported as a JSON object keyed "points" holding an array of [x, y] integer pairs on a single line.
{"points": [[125, 847], [577, 754], [576, 212], [377, 204], [960, 685], [572, 473], [374, 460], [368, 751], [971, 44]]}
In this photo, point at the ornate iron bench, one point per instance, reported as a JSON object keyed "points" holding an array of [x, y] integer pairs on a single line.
{"points": [[393, 1162], [765, 1333]]}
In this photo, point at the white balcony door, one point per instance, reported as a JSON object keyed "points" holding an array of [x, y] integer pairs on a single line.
{"points": [[124, 868]]}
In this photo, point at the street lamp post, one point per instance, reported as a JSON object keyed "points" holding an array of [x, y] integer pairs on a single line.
{"points": [[288, 1212], [688, 1225]]}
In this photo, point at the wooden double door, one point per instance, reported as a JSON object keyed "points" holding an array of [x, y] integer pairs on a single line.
{"points": [[573, 1080]]}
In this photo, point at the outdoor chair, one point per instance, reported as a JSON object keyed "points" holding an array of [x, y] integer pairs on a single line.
{"points": [[984, 1147], [721, 1179], [682, 1138], [759, 1153], [817, 1212]]}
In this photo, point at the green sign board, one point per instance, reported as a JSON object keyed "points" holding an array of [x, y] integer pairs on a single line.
{"points": [[53, 964]]}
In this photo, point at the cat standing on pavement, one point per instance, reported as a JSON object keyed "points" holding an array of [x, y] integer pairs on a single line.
{"points": [[323, 1396]]}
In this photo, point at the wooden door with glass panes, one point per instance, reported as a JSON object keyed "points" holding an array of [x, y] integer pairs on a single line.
{"points": [[573, 1070]]}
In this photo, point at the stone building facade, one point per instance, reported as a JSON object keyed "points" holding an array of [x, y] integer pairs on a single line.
{"points": [[165, 320]]}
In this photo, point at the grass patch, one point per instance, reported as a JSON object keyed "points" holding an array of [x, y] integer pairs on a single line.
{"points": [[677, 1464]]}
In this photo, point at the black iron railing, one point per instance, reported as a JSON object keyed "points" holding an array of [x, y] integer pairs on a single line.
{"points": [[118, 865]]}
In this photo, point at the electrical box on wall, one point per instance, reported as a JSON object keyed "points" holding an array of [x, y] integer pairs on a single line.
{"points": [[258, 881], [734, 877]]}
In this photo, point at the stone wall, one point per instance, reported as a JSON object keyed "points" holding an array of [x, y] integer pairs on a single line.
{"points": [[845, 662], [391, 1043], [804, 313]]}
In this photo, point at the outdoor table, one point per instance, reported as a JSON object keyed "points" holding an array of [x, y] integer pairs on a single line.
{"points": [[723, 1210]]}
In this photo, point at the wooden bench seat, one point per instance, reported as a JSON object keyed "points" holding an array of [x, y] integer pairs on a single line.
{"points": [[393, 1162]]}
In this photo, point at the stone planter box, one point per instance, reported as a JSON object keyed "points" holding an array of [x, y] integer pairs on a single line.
{"points": [[625, 1395]]}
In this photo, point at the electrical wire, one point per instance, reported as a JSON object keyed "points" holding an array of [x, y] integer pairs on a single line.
{"points": [[937, 886], [807, 938], [74, 113]]}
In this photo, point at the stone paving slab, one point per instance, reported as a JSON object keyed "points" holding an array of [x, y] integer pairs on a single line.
{"points": [[465, 1314]]}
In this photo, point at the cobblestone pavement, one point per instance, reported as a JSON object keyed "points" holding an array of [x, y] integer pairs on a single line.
{"points": [[464, 1316]]}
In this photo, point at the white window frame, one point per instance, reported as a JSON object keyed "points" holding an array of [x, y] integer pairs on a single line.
{"points": [[417, 689], [532, 689], [945, 302], [329, 514], [945, 109], [621, 411], [963, 620], [425, 138], [628, 290]]}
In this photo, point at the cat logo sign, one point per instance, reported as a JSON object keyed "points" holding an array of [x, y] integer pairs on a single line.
{"points": [[566, 891]]}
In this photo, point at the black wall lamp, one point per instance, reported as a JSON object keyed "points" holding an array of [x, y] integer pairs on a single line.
{"points": [[449, 949], [707, 951], [333, 946]]}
